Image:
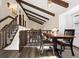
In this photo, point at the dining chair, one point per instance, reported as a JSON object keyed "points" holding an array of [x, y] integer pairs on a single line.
{"points": [[46, 42], [67, 42], [33, 37]]}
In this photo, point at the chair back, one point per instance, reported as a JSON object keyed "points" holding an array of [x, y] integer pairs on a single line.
{"points": [[69, 32], [34, 37]]}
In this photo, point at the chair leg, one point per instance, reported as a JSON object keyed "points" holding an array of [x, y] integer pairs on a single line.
{"points": [[41, 48], [71, 47], [52, 50], [61, 51], [63, 47]]}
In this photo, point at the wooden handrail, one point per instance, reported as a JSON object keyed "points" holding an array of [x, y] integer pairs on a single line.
{"points": [[6, 18], [38, 29], [10, 22]]}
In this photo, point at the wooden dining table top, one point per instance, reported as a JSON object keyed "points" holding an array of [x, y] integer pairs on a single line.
{"points": [[58, 36]]}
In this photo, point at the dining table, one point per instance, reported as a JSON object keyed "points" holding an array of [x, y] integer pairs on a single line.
{"points": [[54, 39]]}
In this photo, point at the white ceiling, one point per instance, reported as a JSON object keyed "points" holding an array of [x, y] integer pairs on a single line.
{"points": [[54, 8]]}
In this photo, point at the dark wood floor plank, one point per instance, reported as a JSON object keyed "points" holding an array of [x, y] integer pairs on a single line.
{"points": [[8, 54], [32, 55], [37, 53], [24, 52]]}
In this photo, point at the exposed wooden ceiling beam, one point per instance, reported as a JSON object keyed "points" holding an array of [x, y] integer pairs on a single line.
{"points": [[61, 3], [36, 17], [38, 8], [18, 1], [36, 14], [35, 20]]}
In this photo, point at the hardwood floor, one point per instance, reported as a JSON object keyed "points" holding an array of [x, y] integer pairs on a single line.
{"points": [[32, 52], [27, 52], [8, 54]]}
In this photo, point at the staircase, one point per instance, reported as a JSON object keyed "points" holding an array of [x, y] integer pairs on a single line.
{"points": [[8, 32]]}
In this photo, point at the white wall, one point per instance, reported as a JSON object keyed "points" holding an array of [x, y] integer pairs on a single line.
{"points": [[32, 24], [66, 21], [3, 9], [52, 23]]}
